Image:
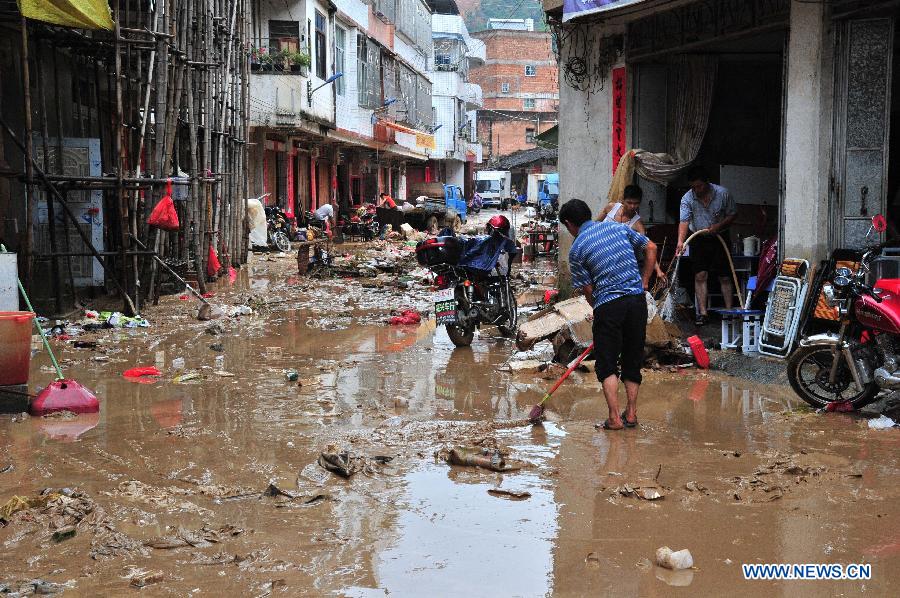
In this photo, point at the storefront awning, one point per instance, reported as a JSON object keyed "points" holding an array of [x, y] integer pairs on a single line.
{"points": [[578, 8]]}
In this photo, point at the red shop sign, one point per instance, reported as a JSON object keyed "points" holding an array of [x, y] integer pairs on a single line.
{"points": [[619, 116]]}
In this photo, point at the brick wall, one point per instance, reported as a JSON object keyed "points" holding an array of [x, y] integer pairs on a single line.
{"points": [[508, 88], [501, 136]]}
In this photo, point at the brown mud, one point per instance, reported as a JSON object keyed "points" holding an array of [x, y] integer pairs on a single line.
{"points": [[211, 485]]}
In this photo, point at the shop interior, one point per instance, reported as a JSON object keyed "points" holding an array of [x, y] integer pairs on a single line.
{"points": [[740, 150]]}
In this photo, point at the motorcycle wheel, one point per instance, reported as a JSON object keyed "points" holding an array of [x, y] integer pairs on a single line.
{"points": [[281, 241], [808, 371], [511, 327], [460, 336]]}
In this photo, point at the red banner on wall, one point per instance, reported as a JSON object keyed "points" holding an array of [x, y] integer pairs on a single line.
{"points": [[619, 116]]}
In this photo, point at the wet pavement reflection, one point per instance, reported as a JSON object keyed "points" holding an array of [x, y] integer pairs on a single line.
{"points": [[747, 475]]}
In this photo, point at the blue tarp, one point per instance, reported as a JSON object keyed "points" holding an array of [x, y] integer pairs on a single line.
{"points": [[482, 253], [577, 8]]}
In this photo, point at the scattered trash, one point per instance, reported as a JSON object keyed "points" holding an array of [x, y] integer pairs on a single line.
{"points": [[509, 494], [345, 465], [675, 561], [592, 560], [406, 318], [292, 375], [217, 347], [341, 463], [144, 579], [881, 423], [201, 538], [141, 371], [650, 492], [840, 407], [64, 533], [541, 352], [214, 329], [483, 458], [85, 344], [186, 377], [178, 363], [240, 310]]}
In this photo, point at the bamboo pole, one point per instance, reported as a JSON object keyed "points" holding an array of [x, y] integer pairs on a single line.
{"points": [[28, 261], [51, 211]]}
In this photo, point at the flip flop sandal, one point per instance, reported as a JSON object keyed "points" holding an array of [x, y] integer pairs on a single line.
{"points": [[627, 423], [606, 426]]}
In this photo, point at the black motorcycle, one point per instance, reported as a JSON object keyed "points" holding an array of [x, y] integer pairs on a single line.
{"points": [[278, 228], [472, 279]]}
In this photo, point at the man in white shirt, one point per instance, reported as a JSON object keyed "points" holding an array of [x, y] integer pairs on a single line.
{"points": [[326, 212]]}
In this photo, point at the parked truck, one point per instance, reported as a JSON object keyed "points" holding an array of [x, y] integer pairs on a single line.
{"points": [[494, 187], [437, 205], [543, 192]]}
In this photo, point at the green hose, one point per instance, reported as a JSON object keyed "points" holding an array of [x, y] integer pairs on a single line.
{"points": [[59, 374]]}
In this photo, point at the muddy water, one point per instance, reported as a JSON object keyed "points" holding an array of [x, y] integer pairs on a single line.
{"points": [[747, 478]]}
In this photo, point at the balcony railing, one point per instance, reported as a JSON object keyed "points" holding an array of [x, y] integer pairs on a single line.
{"points": [[282, 55]]}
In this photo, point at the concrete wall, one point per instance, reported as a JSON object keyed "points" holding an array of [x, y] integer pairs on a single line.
{"points": [[808, 129], [585, 131], [350, 116]]}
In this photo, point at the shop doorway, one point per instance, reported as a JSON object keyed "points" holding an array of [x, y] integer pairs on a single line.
{"points": [[742, 143], [864, 110]]}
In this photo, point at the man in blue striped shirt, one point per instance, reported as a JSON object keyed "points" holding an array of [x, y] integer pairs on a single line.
{"points": [[605, 269]]}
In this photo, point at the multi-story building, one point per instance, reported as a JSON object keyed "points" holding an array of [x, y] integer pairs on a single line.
{"points": [[520, 89], [454, 99], [341, 99]]}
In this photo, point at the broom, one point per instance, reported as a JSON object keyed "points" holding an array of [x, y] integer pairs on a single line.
{"points": [[537, 412], [667, 303]]}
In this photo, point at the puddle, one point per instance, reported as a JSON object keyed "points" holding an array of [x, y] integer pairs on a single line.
{"points": [[746, 475]]}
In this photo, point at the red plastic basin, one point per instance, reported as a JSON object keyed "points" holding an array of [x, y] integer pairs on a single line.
{"points": [[15, 346]]}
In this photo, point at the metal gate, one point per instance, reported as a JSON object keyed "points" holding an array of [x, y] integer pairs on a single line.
{"points": [[862, 117]]}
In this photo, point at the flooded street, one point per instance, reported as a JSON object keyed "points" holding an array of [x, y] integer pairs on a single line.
{"points": [[212, 482]]}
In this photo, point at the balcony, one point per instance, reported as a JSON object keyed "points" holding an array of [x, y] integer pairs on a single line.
{"points": [[473, 96], [279, 56]]}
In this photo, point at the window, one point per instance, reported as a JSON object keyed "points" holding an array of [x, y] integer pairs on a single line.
{"points": [[362, 68], [529, 135], [340, 42], [528, 103], [442, 62], [530, 70], [321, 54], [284, 29], [504, 88]]}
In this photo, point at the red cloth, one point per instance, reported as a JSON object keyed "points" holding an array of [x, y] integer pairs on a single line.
{"points": [[164, 216], [212, 263], [408, 317], [141, 371]]}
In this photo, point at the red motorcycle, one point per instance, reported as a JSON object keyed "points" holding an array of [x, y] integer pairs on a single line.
{"points": [[863, 357]]}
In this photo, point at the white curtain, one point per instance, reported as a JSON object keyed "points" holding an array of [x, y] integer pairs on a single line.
{"points": [[694, 85]]}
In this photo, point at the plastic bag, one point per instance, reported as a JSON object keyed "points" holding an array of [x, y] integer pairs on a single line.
{"points": [[164, 216], [212, 263]]}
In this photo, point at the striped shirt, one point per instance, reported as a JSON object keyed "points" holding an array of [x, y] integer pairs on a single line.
{"points": [[602, 255]]}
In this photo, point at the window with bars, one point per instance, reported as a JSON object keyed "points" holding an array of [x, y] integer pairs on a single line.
{"points": [[528, 103], [362, 70], [504, 88], [321, 47], [529, 135], [530, 70]]}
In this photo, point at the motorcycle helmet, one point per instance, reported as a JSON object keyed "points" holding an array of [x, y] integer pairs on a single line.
{"points": [[499, 224]]}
